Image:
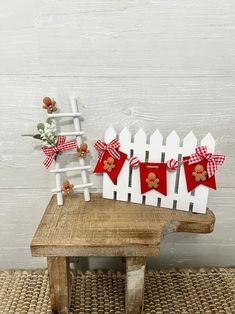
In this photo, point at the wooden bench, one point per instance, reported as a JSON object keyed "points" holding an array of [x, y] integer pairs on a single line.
{"points": [[105, 227]]}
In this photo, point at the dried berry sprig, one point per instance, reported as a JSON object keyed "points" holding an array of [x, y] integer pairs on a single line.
{"points": [[47, 133]]}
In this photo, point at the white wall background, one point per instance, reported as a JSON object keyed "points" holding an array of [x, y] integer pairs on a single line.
{"points": [[144, 63]]}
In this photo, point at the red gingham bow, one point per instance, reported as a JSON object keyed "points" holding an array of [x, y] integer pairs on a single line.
{"points": [[60, 146], [212, 160], [111, 148]]}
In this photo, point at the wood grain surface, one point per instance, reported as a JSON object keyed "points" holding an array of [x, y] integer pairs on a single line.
{"points": [[104, 227], [60, 284], [149, 64], [134, 293]]}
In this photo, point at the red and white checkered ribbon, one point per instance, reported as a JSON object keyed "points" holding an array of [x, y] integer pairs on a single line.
{"points": [[60, 146], [212, 160], [111, 148]]}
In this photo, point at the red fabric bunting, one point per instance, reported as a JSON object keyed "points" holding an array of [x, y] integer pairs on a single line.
{"points": [[110, 165], [191, 174], [212, 160], [112, 148], [153, 178]]}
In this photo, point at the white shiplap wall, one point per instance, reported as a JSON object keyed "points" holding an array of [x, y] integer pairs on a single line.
{"points": [[150, 64]]}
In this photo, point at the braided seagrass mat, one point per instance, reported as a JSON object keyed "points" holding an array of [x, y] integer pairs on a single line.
{"points": [[166, 291]]}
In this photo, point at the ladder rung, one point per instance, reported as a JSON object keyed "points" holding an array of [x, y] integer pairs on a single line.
{"points": [[61, 115], [79, 186], [70, 169], [85, 185], [71, 133]]}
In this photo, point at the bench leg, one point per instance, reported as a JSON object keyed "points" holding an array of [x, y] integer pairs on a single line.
{"points": [[135, 269], [59, 279]]}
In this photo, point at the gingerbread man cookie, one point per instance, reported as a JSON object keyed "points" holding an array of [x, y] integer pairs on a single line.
{"points": [[82, 151], [109, 164], [49, 104], [152, 180], [199, 173], [67, 188]]}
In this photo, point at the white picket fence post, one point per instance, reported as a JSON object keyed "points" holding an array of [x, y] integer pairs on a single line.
{"points": [[108, 189], [125, 140], [128, 182], [155, 155], [139, 150], [185, 198], [75, 114], [201, 192]]}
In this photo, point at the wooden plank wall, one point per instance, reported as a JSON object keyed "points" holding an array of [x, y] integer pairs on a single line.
{"points": [[151, 64]]}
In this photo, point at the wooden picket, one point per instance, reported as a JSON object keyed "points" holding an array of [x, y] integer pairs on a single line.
{"points": [[125, 139], [75, 115], [108, 189], [139, 150], [185, 199], [155, 155], [201, 192], [127, 187]]}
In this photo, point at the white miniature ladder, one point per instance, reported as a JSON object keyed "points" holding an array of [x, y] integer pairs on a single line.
{"points": [[75, 114]]}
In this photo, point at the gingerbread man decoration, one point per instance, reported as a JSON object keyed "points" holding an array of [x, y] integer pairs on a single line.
{"points": [[152, 180], [67, 188], [109, 164], [49, 104], [199, 173], [82, 151]]}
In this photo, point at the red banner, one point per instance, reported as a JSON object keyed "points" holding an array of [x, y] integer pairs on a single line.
{"points": [[196, 174], [110, 165], [153, 176]]}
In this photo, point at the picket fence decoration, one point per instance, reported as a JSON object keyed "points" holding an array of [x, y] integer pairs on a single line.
{"points": [[78, 133], [127, 187]]}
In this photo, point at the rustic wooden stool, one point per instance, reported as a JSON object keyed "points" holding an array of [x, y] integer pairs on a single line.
{"points": [[105, 227]]}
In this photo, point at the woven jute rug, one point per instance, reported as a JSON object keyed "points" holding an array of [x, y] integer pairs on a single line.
{"points": [[167, 291]]}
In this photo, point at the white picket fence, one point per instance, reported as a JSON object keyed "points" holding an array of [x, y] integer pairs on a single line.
{"points": [[75, 115], [127, 187]]}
